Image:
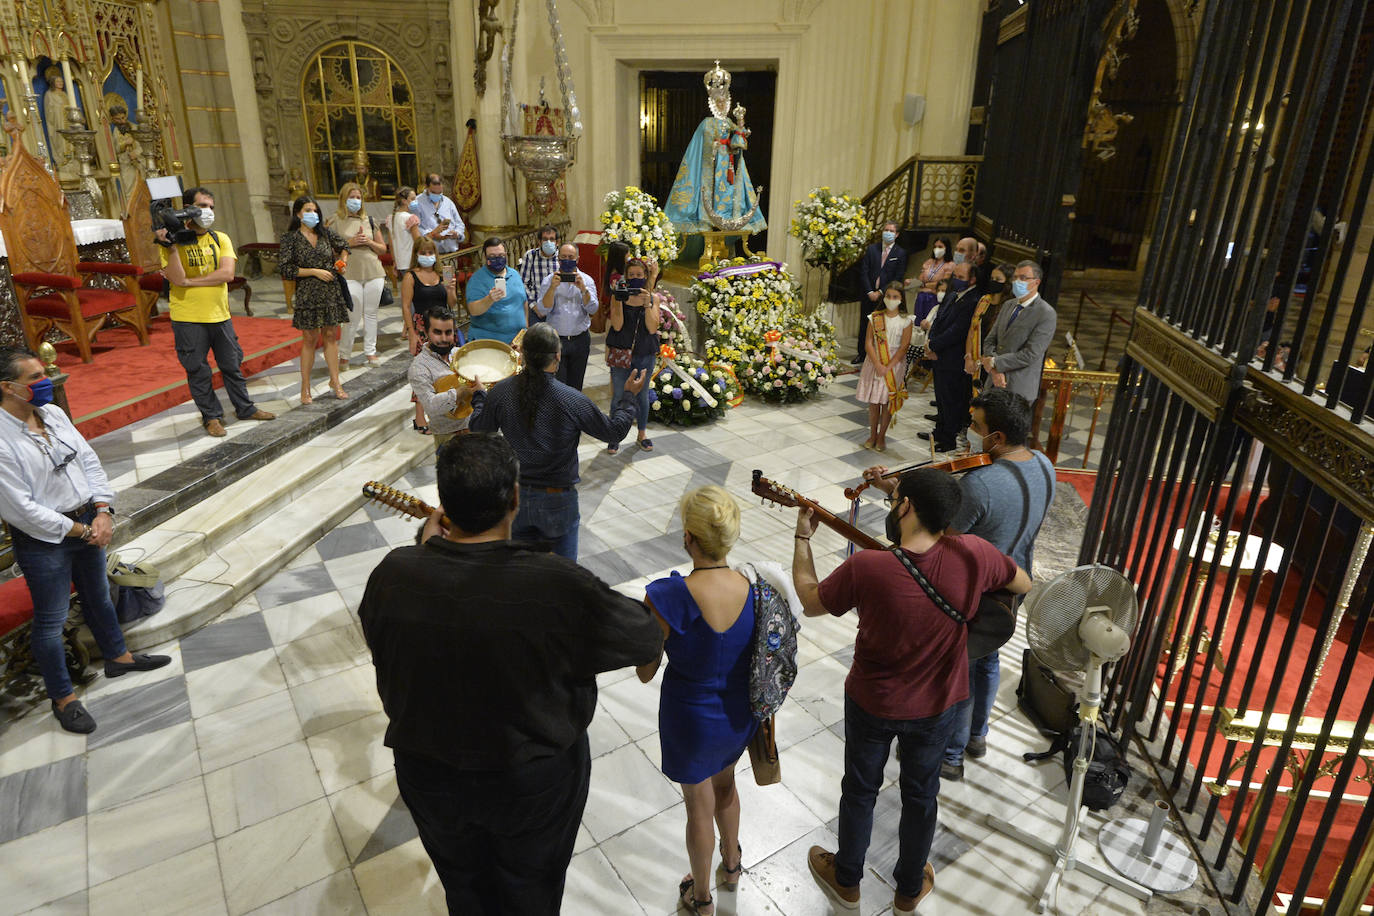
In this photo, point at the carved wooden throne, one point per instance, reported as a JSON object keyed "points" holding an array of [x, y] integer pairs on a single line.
{"points": [[49, 281]]}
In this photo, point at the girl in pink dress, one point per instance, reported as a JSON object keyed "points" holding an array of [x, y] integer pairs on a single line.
{"points": [[882, 381]]}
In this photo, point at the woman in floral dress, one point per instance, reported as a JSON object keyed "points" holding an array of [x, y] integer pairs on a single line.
{"points": [[939, 266], [308, 256]]}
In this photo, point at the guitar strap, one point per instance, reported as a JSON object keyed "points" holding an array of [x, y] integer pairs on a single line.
{"points": [[929, 589]]}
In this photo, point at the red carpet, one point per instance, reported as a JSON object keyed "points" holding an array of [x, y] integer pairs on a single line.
{"points": [[127, 382]]}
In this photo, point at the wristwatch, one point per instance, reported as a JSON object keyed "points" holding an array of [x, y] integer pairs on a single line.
{"points": [[108, 510]]}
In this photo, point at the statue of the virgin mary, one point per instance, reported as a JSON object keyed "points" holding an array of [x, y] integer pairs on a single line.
{"points": [[712, 191]]}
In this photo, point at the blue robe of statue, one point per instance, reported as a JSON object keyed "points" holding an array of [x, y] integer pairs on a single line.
{"points": [[708, 159]]}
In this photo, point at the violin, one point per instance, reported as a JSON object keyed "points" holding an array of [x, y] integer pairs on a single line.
{"points": [[952, 466], [995, 621]]}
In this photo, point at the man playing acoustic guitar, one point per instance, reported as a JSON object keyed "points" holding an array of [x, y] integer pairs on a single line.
{"points": [[909, 678], [1004, 503]]}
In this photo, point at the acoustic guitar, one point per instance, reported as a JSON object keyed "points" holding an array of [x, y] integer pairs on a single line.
{"points": [[400, 500], [988, 630]]}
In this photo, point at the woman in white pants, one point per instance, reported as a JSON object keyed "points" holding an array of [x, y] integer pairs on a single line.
{"points": [[365, 274]]}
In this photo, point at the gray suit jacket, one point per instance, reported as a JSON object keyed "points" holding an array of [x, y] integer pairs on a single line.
{"points": [[1019, 346]]}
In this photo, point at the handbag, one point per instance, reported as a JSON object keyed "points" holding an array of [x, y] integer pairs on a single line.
{"points": [[763, 754], [622, 357], [343, 289], [135, 589], [990, 628]]}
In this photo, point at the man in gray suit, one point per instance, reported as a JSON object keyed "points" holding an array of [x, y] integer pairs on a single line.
{"points": [[1016, 345]]}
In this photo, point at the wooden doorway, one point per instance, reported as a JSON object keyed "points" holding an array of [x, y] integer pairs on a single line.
{"points": [[672, 104]]}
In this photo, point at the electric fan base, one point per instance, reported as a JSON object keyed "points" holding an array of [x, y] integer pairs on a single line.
{"points": [[1172, 869]]}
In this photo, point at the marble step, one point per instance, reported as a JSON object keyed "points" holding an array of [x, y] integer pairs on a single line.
{"points": [[186, 538], [290, 509]]}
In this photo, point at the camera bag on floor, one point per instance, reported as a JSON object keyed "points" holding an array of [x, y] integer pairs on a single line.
{"points": [[1050, 707], [1107, 773]]}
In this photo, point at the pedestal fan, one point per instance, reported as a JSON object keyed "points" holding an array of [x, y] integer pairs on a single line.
{"points": [[1082, 620]]}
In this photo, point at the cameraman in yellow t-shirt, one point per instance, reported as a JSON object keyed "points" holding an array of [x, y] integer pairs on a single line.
{"points": [[199, 277]]}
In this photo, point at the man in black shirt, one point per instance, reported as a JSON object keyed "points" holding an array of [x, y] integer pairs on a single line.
{"points": [[487, 654], [543, 419]]}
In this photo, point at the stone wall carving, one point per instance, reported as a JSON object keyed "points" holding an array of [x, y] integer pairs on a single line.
{"points": [[287, 37]]}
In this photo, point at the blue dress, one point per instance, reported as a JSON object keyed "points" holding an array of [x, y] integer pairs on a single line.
{"points": [[707, 160], [704, 721]]}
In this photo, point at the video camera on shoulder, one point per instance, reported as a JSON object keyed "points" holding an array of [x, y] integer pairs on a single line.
{"points": [[166, 195]]}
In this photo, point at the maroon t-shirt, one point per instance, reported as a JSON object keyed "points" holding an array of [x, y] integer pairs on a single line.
{"points": [[910, 658]]}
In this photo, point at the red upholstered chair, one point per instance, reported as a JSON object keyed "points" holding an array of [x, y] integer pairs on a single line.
{"points": [[49, 282]]}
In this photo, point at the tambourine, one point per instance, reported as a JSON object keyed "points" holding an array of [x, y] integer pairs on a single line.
{"points": [[485, 361]]}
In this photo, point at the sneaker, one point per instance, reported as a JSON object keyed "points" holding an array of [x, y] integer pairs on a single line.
{"points": [[977, 746], [822, 865], [902, 905], [215, 428], [954, 772]]}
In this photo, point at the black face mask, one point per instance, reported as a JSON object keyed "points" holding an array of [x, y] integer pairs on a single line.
{"points": [[893, 524], [996, 286], [957, 285], [442, 349]]}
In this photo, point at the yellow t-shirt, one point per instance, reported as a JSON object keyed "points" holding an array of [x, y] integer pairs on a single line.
{"points": [[201, 304]]}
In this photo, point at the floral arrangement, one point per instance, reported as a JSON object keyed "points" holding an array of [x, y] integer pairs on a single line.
{"points": [[754, 325], [675, 400], [673, 329], [832, 228], [633, 217]]}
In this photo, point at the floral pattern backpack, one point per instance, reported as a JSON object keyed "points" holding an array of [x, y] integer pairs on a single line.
{"points": [[773, 655]]}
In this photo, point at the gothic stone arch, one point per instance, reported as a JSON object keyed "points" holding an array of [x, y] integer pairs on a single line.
{"points": [[283, 39]]}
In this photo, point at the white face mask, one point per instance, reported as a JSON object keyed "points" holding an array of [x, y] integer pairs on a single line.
{"points": [[892, 304], [206, 218], [975, 442], [939, 254]]}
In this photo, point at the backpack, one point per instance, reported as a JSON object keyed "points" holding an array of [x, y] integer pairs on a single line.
{"points": [[1107, 773], [773, 654], [135, 589]]}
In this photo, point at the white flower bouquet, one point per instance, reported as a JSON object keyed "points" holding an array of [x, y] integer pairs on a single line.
{"points": [[633, 217], [674, 401], [754, 324], [832, 228]]}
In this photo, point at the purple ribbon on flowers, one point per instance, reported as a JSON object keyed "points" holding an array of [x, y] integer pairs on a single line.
{"points": [[741, 270]]}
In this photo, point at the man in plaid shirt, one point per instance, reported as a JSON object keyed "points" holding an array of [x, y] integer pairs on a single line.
{"points": [[538, 263]]}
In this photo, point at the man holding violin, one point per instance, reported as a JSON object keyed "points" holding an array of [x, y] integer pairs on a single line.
{"points": [[1004, 503], [909, 678]]}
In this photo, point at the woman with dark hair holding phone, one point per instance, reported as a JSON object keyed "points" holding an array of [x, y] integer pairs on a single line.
{"points": [[312, 256], [938, 267], [632, 340]]}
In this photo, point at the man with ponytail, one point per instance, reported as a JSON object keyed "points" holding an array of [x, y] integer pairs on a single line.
{"points": [[543, 419]]}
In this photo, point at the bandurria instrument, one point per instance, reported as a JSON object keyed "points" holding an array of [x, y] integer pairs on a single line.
{"points": [[401, 501], [988, 630]]}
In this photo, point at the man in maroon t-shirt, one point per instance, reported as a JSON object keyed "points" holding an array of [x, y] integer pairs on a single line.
{"points": [[909, 678]]}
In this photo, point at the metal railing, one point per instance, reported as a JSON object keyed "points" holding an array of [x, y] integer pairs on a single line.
{"points": [[925, 193]]}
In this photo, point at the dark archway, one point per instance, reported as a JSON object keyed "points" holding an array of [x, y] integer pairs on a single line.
{"points": [[1118, 197]]}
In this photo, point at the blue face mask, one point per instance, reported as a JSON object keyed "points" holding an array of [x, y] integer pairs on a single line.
{"points": [[889, 238], [1019, 288], [425, 260], [959, 257], [310, 218], [40, 392], [354, 204], [956, 285], [435, 198], [497, 265], [567, 265], [635, 282], [549, 248]]}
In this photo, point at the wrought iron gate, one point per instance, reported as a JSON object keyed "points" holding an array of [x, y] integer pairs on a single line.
{"points": [[1237, 481]]}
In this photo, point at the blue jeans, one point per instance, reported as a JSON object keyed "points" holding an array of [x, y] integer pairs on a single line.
{"points": [[620, 376], [50, 570], [984, 675], [867, 739], [550, 518]]}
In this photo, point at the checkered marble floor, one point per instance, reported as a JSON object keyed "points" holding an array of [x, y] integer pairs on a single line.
{"points": [[250, 775]]}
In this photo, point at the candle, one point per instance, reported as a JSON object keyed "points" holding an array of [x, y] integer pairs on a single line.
{"points": [[138, 94], [71, 86]]}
